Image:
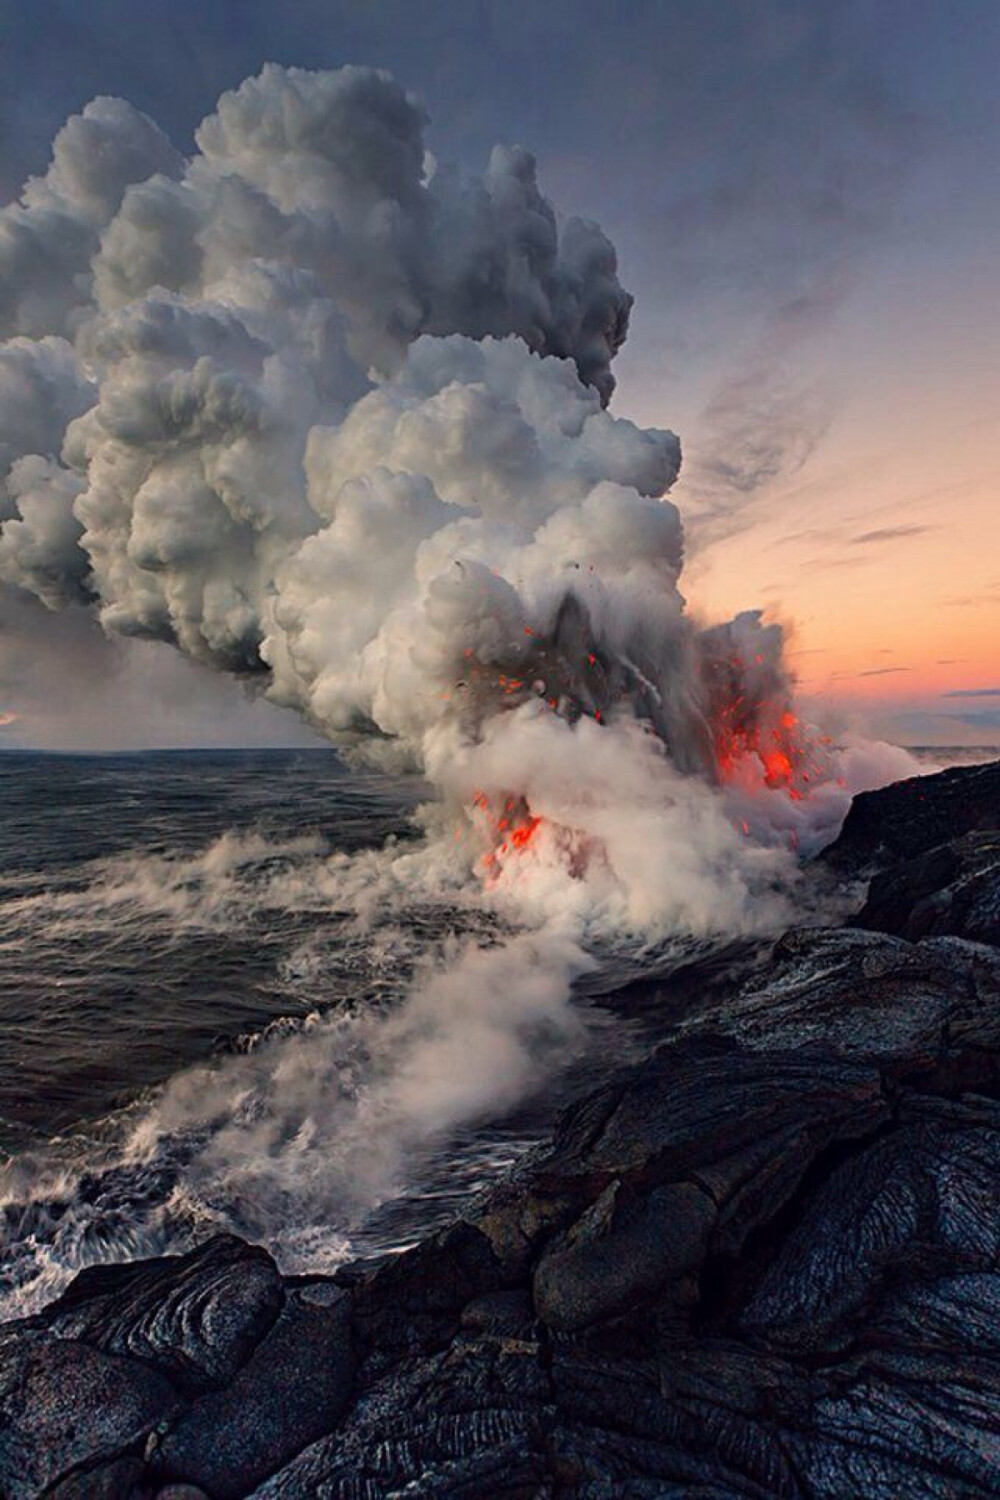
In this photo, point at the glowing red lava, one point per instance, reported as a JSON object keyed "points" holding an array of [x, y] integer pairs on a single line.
{"points": [[509, 822], [758, 741], [521, 837]]}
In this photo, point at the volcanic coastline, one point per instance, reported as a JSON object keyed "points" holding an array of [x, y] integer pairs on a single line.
{"points": [[764, 1261]]}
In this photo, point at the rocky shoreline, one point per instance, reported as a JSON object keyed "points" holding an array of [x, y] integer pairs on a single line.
{"points": [[763, 1262]]}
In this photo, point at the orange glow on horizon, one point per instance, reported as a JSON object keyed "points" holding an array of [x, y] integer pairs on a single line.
{"points": [[887, 609]]}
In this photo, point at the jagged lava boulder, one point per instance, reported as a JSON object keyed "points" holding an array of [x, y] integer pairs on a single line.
{"points": [[932, 848], [907, 819]]}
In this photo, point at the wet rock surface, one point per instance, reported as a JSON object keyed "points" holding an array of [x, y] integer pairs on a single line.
{"points": [[763, 1262]]}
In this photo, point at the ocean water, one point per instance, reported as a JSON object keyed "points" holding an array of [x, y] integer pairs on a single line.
{"points": [[113, 974], [196, 1011], [231, 998]]}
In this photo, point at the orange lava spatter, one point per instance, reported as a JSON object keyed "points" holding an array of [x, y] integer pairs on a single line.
{"points": [[510, 823], [755, 741]]}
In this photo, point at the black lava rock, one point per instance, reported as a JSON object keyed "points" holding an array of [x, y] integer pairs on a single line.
{"points": [[904, 820], [954, 888], [763, 1262], [196, 1318]]}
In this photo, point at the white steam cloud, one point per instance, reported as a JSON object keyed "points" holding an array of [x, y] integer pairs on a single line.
{"points": [[333, 418], [324, 414]]}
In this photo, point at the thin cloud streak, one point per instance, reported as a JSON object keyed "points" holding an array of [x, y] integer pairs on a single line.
{"points": [[888, 534]]}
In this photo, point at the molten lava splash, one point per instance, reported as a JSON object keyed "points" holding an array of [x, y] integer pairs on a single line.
{"points": [[509, 824], [758, 741], [521, 837]]}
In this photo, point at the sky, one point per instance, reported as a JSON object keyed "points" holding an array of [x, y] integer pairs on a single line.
{"points": [[806, 206]]}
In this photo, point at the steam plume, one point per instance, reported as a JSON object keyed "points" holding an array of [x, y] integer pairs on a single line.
{"points": [[334, 419]]}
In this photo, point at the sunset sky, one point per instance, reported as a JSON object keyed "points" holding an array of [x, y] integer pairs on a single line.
{"points": [[805, 199]]}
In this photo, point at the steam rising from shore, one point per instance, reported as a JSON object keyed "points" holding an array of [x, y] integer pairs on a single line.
{"points": [[331, 417]]}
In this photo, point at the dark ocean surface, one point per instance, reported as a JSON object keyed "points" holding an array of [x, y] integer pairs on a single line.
{"points": [[105, 991], [193, 1014], [167, 909]]}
